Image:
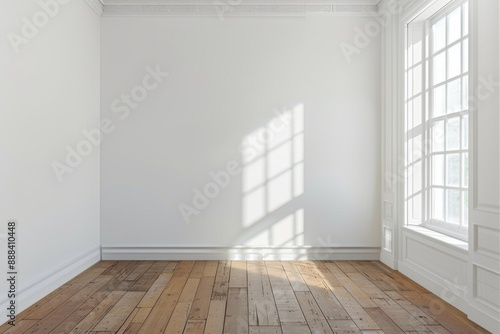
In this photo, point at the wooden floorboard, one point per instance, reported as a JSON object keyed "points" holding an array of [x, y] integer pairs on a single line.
{"points": [[241, 297]]}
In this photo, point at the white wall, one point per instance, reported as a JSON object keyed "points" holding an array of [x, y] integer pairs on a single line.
{"points": [[50, 92], [226, 79]]}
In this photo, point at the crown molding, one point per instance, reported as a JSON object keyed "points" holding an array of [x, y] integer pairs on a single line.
{"points": [[227, 8], [96, 5]]}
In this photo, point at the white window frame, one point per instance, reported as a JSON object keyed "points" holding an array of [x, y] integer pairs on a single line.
{"points": [[459, 231]]}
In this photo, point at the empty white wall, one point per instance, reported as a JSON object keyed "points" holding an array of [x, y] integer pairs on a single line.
{"points": [[50, 92], [226, 79]]}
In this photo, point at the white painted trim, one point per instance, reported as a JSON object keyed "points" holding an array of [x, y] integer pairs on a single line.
{"points": [[432, 283], [242, 10], [388, 259], [240, 253], [38, 288], [487, 321], [96, 5]]}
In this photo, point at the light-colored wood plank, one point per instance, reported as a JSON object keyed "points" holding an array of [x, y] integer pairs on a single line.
{"points": [[160, 315], [355, 311], [412, 309], [119, 313], [315, 319], [179, 318], [327, 302], [346, 267], [170, 267], [194, 327], [294, 276], [288, 307], [295, 329], [201, 302], [361, 296], [344, 327], [265, 330], [139, 270], [215, 319], [238, 275], [262, 308], [145, 282], [210, 268], [385, 323], [128, 321], [198, 269], [334, 269], [221, 284], [141, 315], [403, 319], [154, 292], [236, 320], [438, 329], [189, 290]]}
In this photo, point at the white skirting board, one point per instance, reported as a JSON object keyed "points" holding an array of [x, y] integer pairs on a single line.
{"points": [[239, 253], [38, 288]]}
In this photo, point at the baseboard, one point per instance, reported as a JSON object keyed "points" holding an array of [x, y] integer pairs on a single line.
{"points": [[388, 259], [239, 253], [38, 288], [488, 322], [432, 283]]}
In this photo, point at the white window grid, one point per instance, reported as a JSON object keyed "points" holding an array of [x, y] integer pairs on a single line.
{"points": [[428, 153]]}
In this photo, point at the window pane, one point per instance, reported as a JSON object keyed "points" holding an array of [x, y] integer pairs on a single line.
{"points": [[410, 83], [417, 113], [454, 25], [453, 134], [465, 132], [453, 170], [466, 18], [465, 52], [453, 206], [439, 35], [438, 170], [439, 68], [465, 170], [438, 136], [438, 108], [409, 115], [454, 60], [437, 204], [465, 93], [454, 96], [417, 79]]}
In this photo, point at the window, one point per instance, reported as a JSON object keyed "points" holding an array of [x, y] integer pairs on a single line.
{"points": [[437, 120]]}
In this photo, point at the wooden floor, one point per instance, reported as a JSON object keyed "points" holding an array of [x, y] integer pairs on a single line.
{"points": [[236, 297]]}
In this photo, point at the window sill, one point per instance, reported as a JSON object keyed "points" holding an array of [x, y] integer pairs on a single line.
{"points": [[439, 237]]}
